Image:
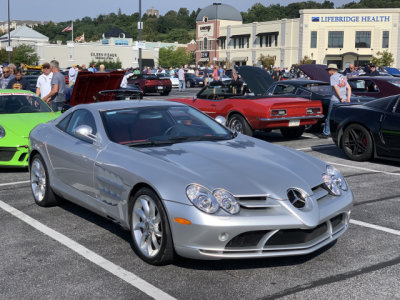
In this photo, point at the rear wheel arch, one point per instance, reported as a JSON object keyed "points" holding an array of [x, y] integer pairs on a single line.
{"points": [[31, 155], [235, 112]]}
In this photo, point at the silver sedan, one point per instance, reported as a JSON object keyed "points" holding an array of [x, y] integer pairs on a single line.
{"points": [[183, 184]]}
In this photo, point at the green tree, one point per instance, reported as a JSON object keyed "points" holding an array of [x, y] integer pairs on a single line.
{"points": [[168, 57], [266, 60], [108, 64], [383, 59], [306, 60]]}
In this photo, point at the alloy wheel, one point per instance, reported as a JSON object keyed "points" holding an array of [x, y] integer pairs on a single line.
{"points": [[38, 180]]}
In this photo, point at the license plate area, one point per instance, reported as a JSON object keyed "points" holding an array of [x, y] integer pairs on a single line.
{"points": [[294, 123], [160, 87]]}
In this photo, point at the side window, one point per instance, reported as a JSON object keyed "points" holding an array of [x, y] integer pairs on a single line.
{"points": [[284, 89], [270, 91], [64, 122], [358, 85], [81, 117], [371, 86]]}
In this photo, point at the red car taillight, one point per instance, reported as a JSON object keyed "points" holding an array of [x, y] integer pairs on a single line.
{"points": [[278, 112], [313, 110]]}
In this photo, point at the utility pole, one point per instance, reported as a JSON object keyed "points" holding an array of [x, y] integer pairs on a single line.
{"points": [[9, 35], [216, 30], [140, 27]]}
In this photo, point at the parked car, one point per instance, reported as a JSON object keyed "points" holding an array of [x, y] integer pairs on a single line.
{"points": [[173, 78], [20, 111], [313, 90], [255, 110], [32, 79], [371, 86], [368, 130], [184, 184], [193, 81], [150, 83]]}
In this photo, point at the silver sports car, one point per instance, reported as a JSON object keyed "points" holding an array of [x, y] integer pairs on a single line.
{"points": [[184, 184]]}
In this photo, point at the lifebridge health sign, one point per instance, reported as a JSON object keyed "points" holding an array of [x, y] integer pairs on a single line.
{"points": [[352, 19]]}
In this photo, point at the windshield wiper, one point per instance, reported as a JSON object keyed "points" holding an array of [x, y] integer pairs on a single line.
{"points": [[150, 143], [178, 139]]}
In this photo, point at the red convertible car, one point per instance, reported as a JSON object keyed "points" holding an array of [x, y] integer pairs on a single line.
{"points": [[150, 83], [248, 107]]}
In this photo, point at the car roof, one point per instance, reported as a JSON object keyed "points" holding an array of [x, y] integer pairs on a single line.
{"points": [[15, 92], [302, 82], [110, 105]]}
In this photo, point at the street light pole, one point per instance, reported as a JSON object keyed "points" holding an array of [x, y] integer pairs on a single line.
{"points": [[140, 36], [9, 35], [216, 31]]}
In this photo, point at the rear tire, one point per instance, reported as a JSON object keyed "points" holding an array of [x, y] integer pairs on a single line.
{"points": [[357, 143], [40, 185], [239, 124], [292, 133], [151, 234]]}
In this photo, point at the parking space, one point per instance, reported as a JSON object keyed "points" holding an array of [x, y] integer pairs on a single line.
{"points": [[69, 252]]}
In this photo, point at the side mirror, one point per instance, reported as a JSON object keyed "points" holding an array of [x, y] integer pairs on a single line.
{"points": [[85, 132], [221, 120]]}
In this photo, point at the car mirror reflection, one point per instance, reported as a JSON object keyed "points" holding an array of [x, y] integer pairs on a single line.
{"points": [[85, 132]]}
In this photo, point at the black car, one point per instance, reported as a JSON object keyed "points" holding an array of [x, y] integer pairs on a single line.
{"points": [[368, 130], [314, 90], [32, 79], [192, 80]]}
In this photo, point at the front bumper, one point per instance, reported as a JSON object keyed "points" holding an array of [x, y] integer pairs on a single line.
{"points": [[268, 232], [14, 156]]}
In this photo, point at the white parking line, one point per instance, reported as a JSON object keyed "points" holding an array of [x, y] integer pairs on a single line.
{"points": [[316, 147], [14, 183], [364, 169], [107, 265], [376, 227]]}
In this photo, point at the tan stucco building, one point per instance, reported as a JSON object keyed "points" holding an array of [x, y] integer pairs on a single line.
{"points": [[341, 36]]}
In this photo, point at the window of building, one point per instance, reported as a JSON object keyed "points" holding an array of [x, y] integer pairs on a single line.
{"points": [[210, 45], [385, 39], [248, 42], [363, 39], [205, 44], [335, 39], [234, 43], [205, 19], [200, 45], [313, 39], [222, 43], [261, 41]]}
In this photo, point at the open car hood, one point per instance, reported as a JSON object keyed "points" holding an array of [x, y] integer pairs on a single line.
{"points": [[257, 79], [89, 84], [316, 72], [392, 71]]}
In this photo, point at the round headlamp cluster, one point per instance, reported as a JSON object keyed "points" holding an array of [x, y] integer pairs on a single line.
{"points": [[334, 181], [2, 132], [211, 202]]}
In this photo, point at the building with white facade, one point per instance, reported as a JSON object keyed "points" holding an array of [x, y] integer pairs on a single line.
{"points": [[341, 36]]}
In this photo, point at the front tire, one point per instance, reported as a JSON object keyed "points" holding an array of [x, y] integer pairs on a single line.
{"points": [[357, 143], [151, 234], [292, 133], [239, 124], [40, 185]]}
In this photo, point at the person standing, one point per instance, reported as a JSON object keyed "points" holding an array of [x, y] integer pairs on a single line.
{"points": [[43, 84], [341, 93], [276, 74], [353, 72], [181, 77], [71, 74], [215, 74], [374, 71], [56, 97], [18, 82], [102, 69], [7, 76]]}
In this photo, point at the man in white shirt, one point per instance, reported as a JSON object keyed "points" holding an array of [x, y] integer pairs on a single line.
{"points": [[72, 75], [181, 77], [43, 85]]}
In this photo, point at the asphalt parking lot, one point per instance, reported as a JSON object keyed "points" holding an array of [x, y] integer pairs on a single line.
{"points": [[68, 252]]}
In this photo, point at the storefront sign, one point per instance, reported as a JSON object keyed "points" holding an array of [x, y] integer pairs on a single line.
{"points": [[205, 30], [352, 19], [103, 56], [205, 54]]}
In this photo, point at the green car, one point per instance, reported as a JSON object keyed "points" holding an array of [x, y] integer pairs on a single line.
{"points": [[20, 112]]}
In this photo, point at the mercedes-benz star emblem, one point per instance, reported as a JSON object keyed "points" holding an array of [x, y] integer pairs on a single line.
{"points": [[297, 198]]}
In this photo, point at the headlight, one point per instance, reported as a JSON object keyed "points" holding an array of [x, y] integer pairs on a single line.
{"points": [[334, 181], [202, 198], [226, 201], [2, 132]]}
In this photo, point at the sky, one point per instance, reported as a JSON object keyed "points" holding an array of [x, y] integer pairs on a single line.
{"points": [[64, 10]]}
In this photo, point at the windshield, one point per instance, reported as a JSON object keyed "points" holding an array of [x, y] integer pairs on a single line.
{"points": [[149, 76], [322, 89], [160, 125], [395, 82], [22, 103]]}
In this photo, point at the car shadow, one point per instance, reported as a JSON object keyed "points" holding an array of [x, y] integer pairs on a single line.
{"points": [[276, 136], [13, 170]]}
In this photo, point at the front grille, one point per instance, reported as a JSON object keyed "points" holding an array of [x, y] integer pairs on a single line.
{"points": [[7, 153], [247, 239], [336, 221], [256, 201], [22, 157], [296, 236]]}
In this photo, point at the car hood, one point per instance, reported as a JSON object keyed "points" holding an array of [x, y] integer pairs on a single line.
{"points": [[88, 85], [20, 125], [316, 72], [257, 79], [243, 166]]}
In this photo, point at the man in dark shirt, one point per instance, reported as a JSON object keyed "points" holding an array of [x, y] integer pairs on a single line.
{"points": [[18, 82], [374, 71], [276, 75]]}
